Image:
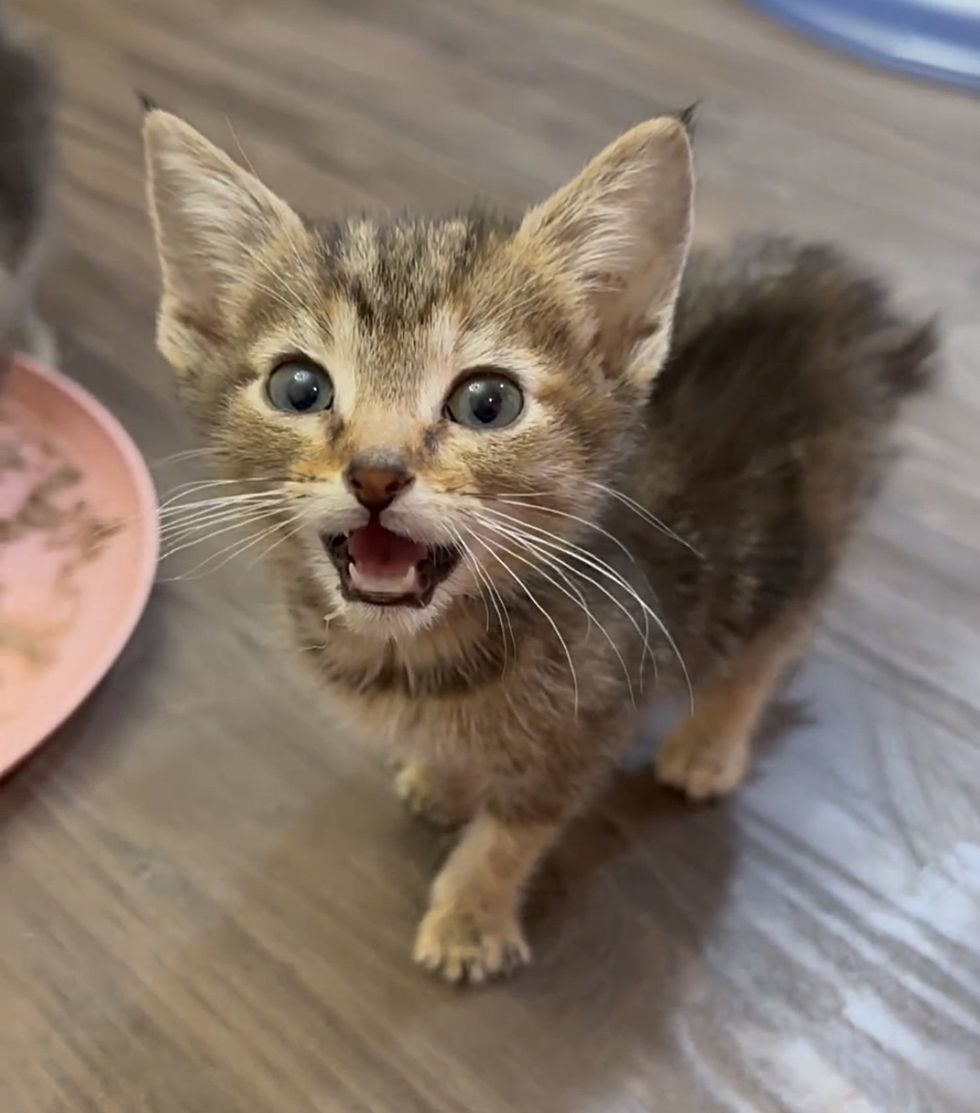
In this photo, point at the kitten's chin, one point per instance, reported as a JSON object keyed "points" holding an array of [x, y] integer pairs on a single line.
{"points": [[386, 623]]}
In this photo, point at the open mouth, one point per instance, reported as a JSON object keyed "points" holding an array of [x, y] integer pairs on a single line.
{"points": [[386, 569]]}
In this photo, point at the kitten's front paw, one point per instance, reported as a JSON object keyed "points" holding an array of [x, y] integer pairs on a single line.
{"points": [[702, 768], [468, 945], [431, 797]]}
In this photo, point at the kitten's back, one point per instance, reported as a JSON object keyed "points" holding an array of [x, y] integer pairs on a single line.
{"points": [[777, 342], [768, 429], [770, 311]]}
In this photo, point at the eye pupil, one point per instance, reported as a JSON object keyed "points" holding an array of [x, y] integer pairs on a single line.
{"points": [[485, 401], [302, 390], [300, 387]]}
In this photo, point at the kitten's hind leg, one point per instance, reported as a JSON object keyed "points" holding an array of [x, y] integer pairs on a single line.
{"points": [[708, 754]]}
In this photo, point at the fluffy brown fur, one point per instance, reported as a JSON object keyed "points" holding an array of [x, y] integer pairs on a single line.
{"points": [[650, 521]]}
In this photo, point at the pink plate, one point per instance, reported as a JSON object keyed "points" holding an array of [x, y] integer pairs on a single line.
{"points": [[78, 549]]}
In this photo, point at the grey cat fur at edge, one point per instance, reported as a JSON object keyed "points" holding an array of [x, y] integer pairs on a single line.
{"points": [[26, 106]]}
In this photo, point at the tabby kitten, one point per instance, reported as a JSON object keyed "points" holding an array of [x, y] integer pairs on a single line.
{"points": [[520, 476]]}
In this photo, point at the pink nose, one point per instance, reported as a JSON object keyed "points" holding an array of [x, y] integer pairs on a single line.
{"points": [[377, 488]]}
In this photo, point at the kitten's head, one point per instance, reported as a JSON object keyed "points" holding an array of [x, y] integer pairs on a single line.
{"points": [[430, 394]]}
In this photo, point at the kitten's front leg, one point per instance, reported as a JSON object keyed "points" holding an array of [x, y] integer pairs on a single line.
{"points": [[472, 929]]}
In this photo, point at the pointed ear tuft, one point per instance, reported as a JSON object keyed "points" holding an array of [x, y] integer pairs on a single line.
{"points": [[689, 117], [216, 226], [619, 232]]}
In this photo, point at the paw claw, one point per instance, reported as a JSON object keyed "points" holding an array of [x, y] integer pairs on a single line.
{"points": [[702, 769], [463, 947], [420, 792]]}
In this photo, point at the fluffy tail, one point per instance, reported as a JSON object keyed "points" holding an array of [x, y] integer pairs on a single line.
{"points": [[909, 362]]}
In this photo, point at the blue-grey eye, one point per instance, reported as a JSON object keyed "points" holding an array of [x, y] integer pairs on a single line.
{"points": [[300, 386], [485, 400]]}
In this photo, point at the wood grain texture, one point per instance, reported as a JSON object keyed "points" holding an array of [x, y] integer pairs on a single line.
{"points": [[208, 895]]}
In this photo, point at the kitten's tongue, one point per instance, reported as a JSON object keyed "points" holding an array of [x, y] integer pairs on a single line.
{"points": [[382, 561]]}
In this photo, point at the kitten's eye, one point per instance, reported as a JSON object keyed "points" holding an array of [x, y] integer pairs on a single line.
{"points": [[300, 387], [487, 400]]}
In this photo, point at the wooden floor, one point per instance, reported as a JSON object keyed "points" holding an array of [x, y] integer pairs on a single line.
{"points": [[207, 894]]}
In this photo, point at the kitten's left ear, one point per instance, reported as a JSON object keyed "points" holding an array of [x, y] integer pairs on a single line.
{"points": [[216, 226], [619, 232]]}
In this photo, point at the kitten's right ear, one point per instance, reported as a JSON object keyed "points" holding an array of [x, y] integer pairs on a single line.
{"points": [[215, 224]]}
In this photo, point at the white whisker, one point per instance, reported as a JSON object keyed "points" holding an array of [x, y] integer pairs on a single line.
{"points": [[468, 556], [246, 520], [188, 510], [194, 485], [180, 457], [523, 538], [579, 599], [604, 569], [235, 549], [276, 544], [582, 556], [496, 599], [562, 514], [554, 626], [174, 531], [648, 516]]}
